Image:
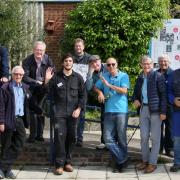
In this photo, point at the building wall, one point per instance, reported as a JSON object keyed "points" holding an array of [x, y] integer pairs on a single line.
{"points": [[58, 13]]}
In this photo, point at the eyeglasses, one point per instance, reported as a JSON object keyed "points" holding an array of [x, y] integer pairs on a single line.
{"points": [[112, 64], [18, 74]]}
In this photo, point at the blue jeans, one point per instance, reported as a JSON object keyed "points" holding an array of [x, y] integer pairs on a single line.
{"points": [[177, 150], [115, 126], [80, 129]]}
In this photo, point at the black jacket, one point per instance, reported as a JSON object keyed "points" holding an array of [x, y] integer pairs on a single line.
{"points": [[7, 105], [30, 66], [156, 92], [4, 62], [66, 93]]}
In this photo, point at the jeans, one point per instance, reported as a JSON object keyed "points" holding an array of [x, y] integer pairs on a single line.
{"points": [[177, 150], [64, 140], [12, 143], [115, 126], [150, 127], [80, 129]]}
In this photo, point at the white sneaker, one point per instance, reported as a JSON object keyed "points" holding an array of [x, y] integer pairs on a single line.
{"points": [[101, 146]]}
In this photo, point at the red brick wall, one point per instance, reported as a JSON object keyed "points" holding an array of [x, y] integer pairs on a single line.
{"points": [[58, 13]]}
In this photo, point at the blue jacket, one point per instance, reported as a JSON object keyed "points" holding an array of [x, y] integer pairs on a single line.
{"points": [[156, 92], [4, 62], [7, 105]]}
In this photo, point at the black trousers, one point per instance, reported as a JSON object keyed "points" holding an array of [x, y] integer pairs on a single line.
{"points": [[37, 123], [12, 142], [166, 142], [64, 140]]}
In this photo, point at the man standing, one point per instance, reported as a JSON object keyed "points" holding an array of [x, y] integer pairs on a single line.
{"points": [[166, 138], [15, 99], [174, 99], [96, 68], [35, 66], [4, 65], [112, 90], [81, 61], [150, 96], [67, 98]]}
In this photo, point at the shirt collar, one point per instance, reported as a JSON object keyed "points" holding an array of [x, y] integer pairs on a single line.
{"points": [[14, 84]]}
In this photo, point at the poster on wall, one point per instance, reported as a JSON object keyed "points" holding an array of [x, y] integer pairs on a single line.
{"points": [[167, 42]]}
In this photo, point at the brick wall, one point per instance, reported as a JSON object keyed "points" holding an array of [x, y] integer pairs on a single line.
{"points": [[58, 13]]}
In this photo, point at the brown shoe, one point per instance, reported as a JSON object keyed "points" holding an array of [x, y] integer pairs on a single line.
{"points": [[58, 171], [68, 168], [142, 165], [150, 168]]}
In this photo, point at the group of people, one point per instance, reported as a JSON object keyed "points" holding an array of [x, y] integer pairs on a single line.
{"points": [[156, 96]]}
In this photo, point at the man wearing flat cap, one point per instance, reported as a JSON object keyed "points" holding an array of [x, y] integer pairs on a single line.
{"points": [[96, 68]]}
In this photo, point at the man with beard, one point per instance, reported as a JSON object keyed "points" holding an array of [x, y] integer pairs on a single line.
{"points": [[67, 98]]}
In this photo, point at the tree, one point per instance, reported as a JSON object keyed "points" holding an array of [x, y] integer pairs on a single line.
{"points": [[175, 8], [16, 28], [118, 28]]}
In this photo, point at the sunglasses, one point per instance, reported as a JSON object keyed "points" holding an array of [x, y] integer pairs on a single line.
{"points": [[112, 64], [18, 74]]}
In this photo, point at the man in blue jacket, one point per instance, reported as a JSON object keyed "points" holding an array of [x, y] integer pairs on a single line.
{"points": [[15, 100], [150, 96], [4, 64]]}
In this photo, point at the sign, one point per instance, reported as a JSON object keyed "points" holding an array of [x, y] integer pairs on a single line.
{"points": [[167, 42]]}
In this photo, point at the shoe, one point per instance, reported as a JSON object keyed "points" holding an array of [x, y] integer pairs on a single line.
{"points": [[58, 171], [79, 144], [175, 168], [30, 140], [2, 176], [39, 138], [10, 175], [101, 146], [68, 168], [150, 168], [142, 165], [170, 154]]}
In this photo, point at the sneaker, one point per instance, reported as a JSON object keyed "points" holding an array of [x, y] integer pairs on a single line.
{"points": [[175, 168], [170, 154], [10, 175], [79, 144], [101, 146], [2, 176]]}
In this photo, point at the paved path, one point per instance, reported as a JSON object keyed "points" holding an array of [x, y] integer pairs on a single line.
{"points": [[95, 173]]}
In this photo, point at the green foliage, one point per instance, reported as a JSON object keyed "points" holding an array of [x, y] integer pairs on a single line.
{"points": [[118, 28], [16, 28]]}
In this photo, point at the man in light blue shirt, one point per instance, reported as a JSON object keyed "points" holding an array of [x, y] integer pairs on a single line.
{"points": [[112, 90]]}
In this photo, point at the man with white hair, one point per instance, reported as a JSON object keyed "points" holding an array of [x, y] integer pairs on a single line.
{"points": [[35, 66], [166, 138], [15, 100]]}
